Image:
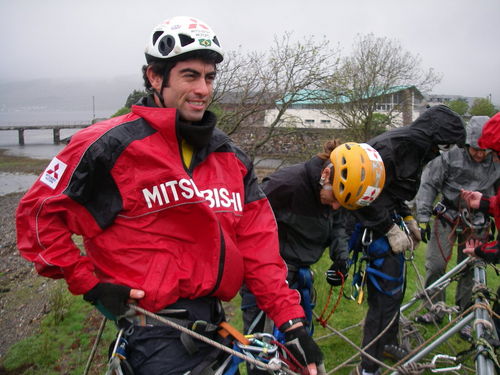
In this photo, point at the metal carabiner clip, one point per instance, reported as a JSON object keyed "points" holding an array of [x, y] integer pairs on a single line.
{"points": [[445, 369], [364, 241]]}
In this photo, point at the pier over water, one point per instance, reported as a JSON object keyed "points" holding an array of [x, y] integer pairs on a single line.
{"points": [[56, 130]]}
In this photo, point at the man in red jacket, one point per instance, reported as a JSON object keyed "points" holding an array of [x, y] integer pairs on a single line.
{"points": [[170, 213]]}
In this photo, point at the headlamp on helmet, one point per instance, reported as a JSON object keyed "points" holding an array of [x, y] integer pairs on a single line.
{"points": [[359, 174]]}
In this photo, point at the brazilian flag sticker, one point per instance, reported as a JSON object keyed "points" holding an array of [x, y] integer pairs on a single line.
{"points": [[205, 42]]}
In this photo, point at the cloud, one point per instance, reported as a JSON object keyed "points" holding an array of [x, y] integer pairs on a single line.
{"points": [[103, 39]]}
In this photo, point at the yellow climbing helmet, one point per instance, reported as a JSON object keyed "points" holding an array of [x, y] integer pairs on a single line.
{"points": [[358, 174]]}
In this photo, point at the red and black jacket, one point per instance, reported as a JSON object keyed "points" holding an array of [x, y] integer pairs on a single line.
{"points": [[491, 251], [149, 223]]}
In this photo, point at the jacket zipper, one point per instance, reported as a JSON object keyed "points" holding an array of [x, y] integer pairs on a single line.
{"points": [[221, 262]]}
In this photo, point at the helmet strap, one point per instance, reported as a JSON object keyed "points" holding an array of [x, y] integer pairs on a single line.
{"points": [[160, 97]]}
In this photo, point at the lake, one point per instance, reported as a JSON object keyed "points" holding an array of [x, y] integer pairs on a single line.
{"points": [[39, 143]]}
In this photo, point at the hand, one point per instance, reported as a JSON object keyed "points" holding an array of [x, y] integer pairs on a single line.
{"points": [[304, 349], [398, 239], [414, 229], [425, 231], [470, 246], [337, 273], [473, 198], [111, 299]]}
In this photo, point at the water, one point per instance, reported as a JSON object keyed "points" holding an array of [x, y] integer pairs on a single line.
{"points": [[38, 143]]}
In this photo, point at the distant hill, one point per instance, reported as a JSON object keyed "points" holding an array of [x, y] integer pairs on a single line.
{"points": [[65, 94]]}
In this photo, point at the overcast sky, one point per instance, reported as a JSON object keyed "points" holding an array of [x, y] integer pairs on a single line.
{"points": [[106, 38]]}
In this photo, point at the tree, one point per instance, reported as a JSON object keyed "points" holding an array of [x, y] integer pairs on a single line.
{"points": [[248, 84], [132, 98], [459, 105], [376, 67], [482, 107]]}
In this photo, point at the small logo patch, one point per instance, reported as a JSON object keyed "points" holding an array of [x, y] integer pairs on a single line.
{"points": [[369, 196], [205, 42], [53, 173]]}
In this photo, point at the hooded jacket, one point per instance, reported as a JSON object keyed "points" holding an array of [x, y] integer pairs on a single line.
{"points": [[306, 227], [405, 152], [455, 170], [149, 223]]}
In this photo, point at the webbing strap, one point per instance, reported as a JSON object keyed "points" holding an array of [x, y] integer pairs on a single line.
{"points": [[373, 273]]}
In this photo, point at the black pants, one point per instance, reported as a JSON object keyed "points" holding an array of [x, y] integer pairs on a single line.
{"points": [[158, 350], [381, 310]]}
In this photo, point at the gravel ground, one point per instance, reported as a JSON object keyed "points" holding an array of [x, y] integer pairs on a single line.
{"points": [[23, 294]]}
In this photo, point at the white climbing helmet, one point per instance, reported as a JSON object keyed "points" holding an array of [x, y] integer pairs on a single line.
{"points": [[180, 35]]}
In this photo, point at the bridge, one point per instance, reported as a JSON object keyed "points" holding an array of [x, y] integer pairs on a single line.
{"points": [[56, 130]]}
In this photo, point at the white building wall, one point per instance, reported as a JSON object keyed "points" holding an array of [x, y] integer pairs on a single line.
{"points": [[315, 119]]}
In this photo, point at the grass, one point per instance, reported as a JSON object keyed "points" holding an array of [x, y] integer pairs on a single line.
{"points": [[63, 341], [20, 164]]}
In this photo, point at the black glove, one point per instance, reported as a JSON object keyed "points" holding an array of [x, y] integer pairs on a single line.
{"points": [[425, 231], [337, 271], [109, 299], [302, 346]]}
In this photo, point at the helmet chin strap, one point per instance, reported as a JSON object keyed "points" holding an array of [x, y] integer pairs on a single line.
{"points": [[163, 85], [160, 98]]}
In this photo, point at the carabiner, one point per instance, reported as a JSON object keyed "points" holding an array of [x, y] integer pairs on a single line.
{"points": [[365, 242], [445, 369]]}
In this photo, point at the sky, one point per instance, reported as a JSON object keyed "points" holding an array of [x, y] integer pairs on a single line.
{"points": [[106, 38]]}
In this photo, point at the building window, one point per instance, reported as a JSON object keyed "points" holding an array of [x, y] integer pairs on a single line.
{"points": [[325, 121], [309, 121]]}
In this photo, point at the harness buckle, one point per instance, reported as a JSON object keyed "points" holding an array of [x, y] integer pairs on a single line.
{"points": [[439, 209]]}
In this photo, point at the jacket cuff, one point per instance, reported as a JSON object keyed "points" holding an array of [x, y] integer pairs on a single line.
{"points": [[293, 313], [484, 205]]}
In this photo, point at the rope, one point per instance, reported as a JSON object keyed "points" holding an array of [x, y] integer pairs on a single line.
{"points": [[441, 308], [363, 350], [415, 368], [324, 321], [272, 366]]}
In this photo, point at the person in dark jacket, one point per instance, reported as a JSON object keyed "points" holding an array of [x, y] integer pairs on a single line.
{"points": [[405, 151], [311, 219]]}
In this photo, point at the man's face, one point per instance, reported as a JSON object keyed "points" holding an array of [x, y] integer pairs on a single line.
{"points": [[190, 88], [478, 154]]}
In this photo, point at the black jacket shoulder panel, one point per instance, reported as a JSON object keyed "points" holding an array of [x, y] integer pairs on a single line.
{"points": [[91, 183]]}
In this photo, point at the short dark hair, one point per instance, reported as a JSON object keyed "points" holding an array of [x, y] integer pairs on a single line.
{"points": [[163, 67]]}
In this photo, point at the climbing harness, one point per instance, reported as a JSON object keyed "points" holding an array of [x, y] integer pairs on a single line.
{"points": [[303, 282], [261, 350], [371, 253], [463, 223], [305, 285]]}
